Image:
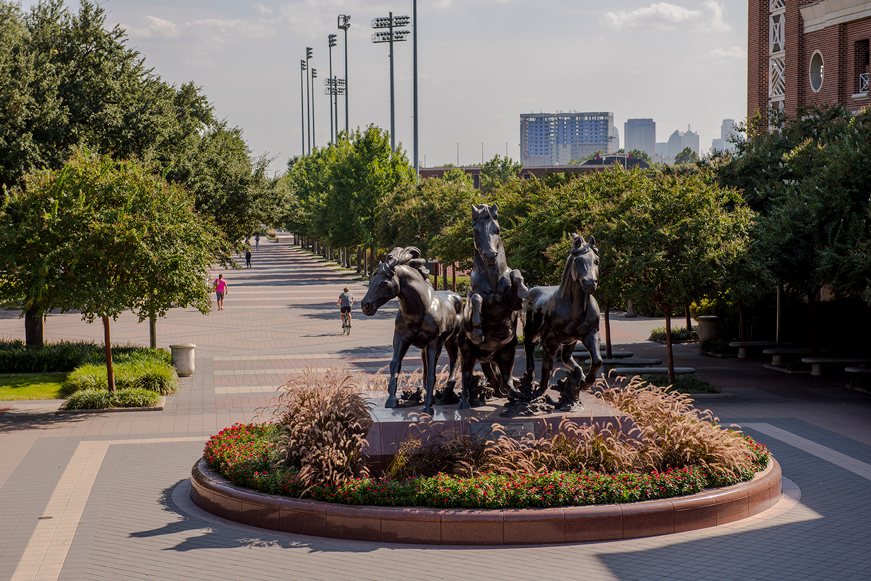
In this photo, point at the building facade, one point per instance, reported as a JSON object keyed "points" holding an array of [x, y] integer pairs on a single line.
{"points": [[727, 132], [640, 134], [806, 52], [558, 138]]}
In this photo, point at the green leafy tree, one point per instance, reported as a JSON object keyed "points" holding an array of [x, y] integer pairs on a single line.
{"points": [[499, 171], [642, 155], [678, 234], [102, 236], [686, 156]]}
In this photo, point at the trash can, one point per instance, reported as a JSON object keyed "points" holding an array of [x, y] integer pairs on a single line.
{"points": [[183, 358], [707, 327]]}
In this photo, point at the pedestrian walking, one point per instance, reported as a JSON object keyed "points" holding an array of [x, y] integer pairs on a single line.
{"points": [[248, 258], [220, 291], [257, 242]]}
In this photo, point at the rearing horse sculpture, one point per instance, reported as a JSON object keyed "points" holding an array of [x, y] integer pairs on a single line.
{"points": [[563, 315], [495, 298], [427, 319]]}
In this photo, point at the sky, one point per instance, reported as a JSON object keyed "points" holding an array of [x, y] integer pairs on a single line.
{"points": [[481, 64]]}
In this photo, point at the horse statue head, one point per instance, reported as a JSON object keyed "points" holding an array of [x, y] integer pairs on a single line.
{"points": [[485, 230], [384, 285], [583, 263]]}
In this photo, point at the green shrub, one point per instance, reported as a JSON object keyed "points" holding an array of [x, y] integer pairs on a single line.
{"points": [[90, 399], [134, 371], [62, 356], [136, 397], [677, 334], [719, 346]]}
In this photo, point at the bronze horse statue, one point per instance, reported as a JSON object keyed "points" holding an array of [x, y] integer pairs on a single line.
{"points": [[494, 301], [563, 315], [427, 319]]}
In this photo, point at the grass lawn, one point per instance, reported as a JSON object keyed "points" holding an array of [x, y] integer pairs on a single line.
{"points": [[16, 386]]}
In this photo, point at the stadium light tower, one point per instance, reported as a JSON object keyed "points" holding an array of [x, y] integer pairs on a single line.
{"points": [[333, 129], [345, 24], [308, 56], [302, 69], [391, 36], [314, 130]]}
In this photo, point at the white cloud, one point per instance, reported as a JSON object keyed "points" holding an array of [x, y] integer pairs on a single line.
{"points": [[263, 9], [736, 52], [155, 28], [665, 16]]}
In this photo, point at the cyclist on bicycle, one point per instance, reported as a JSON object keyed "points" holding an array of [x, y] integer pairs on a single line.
{"points": [[346, 301]]}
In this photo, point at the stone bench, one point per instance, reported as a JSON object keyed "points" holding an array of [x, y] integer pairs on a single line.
{"points": [[631, 371], [818, 362], [579, 348], [628, 361], [777, 355], [744, 346], [857, 369]]}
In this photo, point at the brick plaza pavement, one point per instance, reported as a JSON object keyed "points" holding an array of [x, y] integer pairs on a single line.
{"points": [[114, 484]]}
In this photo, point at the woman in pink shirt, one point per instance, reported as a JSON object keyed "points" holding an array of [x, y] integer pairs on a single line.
{"points": [[220, 290]]}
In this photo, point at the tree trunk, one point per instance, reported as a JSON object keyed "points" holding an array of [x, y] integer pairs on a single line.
{"points": [[444, 276], [454, 274], [33, 326], [689, 319], [779, 335], [110, 369], [607, 330], [359, 261], [435, 276], [811, 299], [740, 320], [668, 348], [152, 330]]}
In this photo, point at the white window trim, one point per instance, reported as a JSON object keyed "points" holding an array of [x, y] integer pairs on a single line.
{"points": [[822, 77]]}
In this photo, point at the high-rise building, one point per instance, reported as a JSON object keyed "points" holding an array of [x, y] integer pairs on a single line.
{"points": [[640, 134], [614, 138], [680, 140], [727, 131], [558, 138]]}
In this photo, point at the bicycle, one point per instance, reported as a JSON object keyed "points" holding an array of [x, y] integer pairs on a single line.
{"points": [[346, 323]]}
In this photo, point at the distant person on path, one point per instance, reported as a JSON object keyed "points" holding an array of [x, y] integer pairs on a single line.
{"points": [[257, 242], [248, 258], [220, 291], [346, 301]]}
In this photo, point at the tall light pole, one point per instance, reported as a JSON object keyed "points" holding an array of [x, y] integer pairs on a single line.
{"points": [[345, 24], [314, 130], [335, 88], [333, 131], [414, 99], [391, 36], [308, 55], [302, 69]]}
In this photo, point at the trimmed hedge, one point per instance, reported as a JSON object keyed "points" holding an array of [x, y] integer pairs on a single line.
{"points": [[64, 356]]}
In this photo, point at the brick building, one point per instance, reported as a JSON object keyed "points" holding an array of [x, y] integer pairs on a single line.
{"points": [[805, 52]]}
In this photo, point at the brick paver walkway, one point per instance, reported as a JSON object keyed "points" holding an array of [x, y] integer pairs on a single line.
{"points": [[114, 486]]}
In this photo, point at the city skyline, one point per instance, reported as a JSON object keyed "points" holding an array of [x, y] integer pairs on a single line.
{"points": [[482, 64]]}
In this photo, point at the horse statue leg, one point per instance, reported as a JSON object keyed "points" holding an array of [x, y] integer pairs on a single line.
{"points": [[468, 367], [431, 357], [473, 315], [446, 395], [591, 342], [548, 354], [569, 361], [400, 348], [491, 372]]}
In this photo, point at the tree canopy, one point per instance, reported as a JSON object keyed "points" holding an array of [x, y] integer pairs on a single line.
{"points": [[686, 156]]}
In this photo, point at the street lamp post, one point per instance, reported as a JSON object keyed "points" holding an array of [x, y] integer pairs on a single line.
{"points": [[391, 36], [302, 69], [345, 24], [335, 88], [333, 131], [308, 55]]}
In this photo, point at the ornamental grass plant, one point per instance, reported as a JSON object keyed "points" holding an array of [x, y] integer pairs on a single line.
{"points": [[88, 399], [323, 421], [132, 371]]}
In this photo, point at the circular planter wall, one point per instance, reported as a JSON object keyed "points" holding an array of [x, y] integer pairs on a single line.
{"points": [[457, 526]]}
